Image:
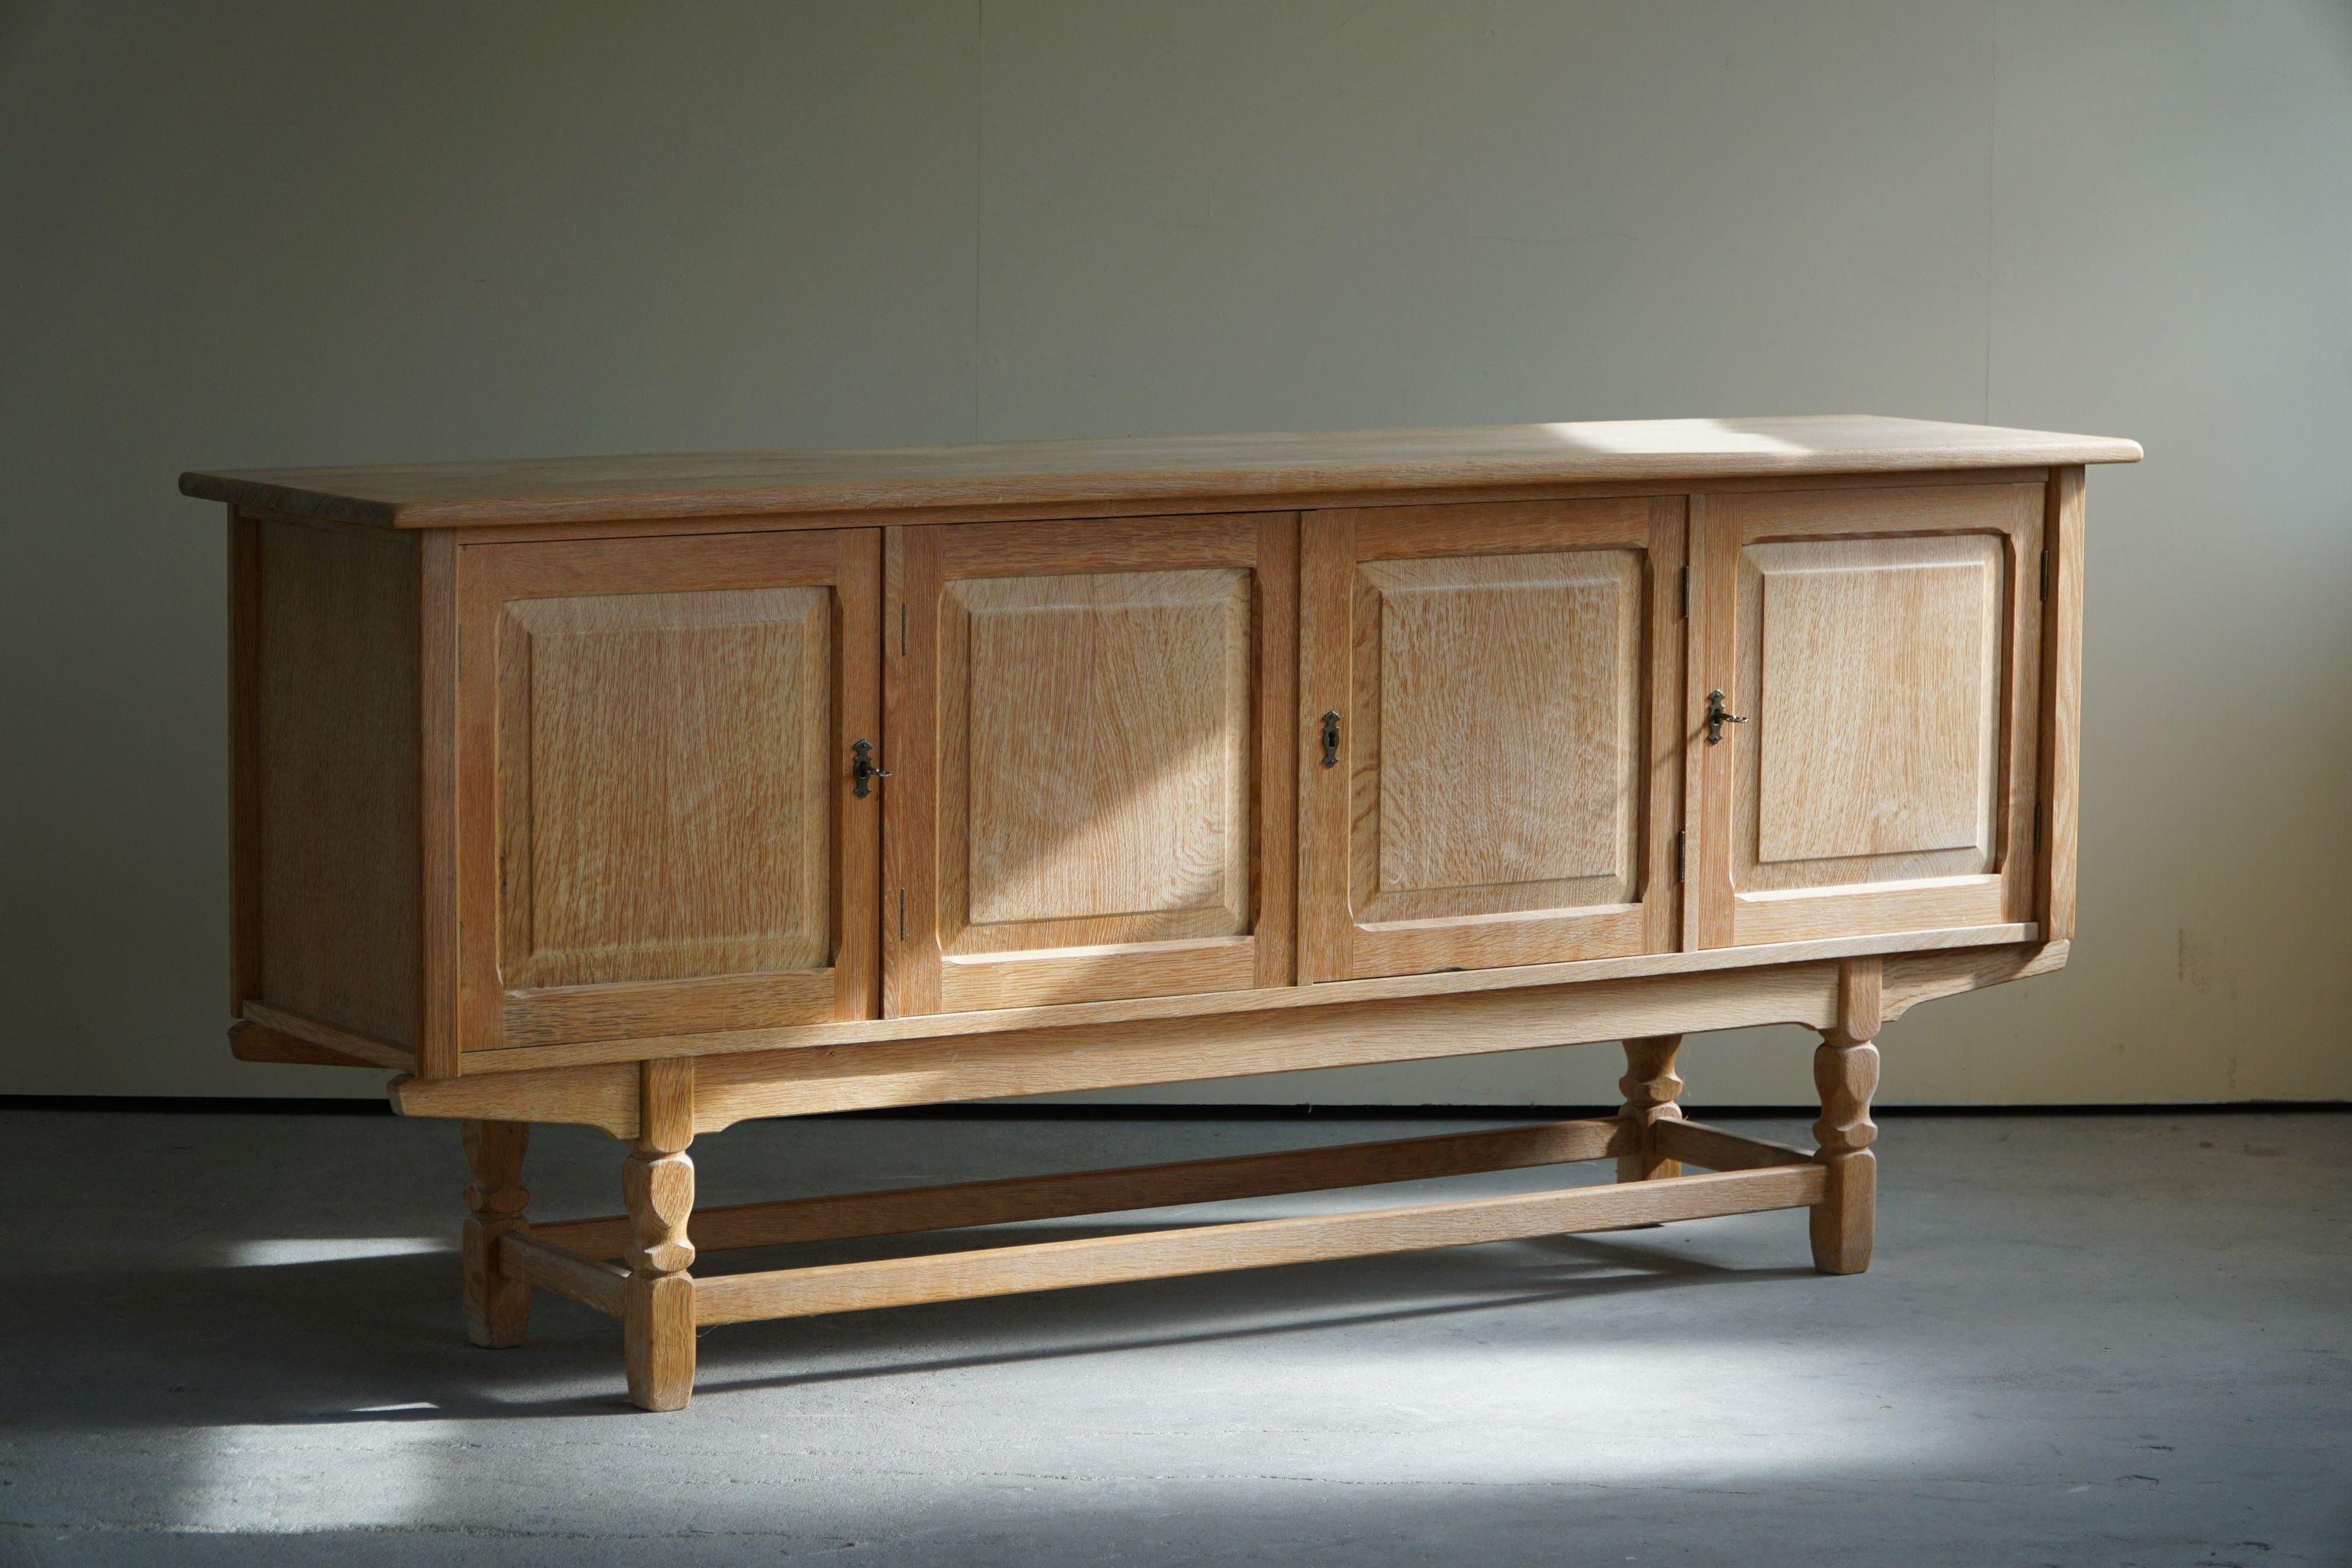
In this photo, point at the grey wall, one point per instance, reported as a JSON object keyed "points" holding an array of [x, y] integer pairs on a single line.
{"points": [[280, 234]]}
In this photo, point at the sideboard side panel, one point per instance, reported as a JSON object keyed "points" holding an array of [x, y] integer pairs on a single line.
{"points": [[326, 826], [243, 759], [437, 1052], [2062, 708]]}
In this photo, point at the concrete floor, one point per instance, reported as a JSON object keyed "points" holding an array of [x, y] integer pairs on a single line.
{"points": [[234, 1339]]}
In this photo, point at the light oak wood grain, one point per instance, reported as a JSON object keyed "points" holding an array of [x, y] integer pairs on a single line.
{"points": [[1025, 979], [1199, 1003], [1719, 1149], [333, 746], [657, 1187], [1163, 1254], [1473, 493], [809, 1079], [343, 1042], [1499, 726], [1327, 579], [1071, 818], [586, 488], [1912, 979], [666, 763], [605, 710], [655, 813], [1843, 1223], [440, 957], [252, 1042], [1845, 1071], [600, 1286], [1885, 649], [1883, 662], [1861, 999], [1502, 676], [659, 1191], [700, 1004], [911, 889], [1711, 589], [1116, 1056], [570, 1260], [497, 1304], [2066, 544], [731, 1088], [1650, 1086], [604, 1097], [1105, 810], [1021, 1198]]}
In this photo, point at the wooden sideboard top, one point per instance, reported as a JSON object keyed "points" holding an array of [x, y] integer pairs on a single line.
{"points": [[1239, 468]]}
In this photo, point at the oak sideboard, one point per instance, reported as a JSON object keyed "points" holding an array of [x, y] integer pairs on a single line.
{"points": [[657, 793]]}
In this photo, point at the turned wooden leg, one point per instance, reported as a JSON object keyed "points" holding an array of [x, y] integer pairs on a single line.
{"points": [[1845, 1070], [1649, 1087], [657, 1184], [497, 1306]]}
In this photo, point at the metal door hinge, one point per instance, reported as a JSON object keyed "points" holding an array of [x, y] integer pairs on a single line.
{"points": [[2045, 574], [1686, 592], [902, 916], [902, 631], [2037, 830], [1682, 846]]}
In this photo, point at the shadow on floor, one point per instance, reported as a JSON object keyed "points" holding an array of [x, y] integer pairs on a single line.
{"points": [[380, 1339]]}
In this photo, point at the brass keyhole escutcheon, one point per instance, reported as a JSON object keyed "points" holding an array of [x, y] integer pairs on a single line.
{"points": [[1716, 718], [1331, 739]]}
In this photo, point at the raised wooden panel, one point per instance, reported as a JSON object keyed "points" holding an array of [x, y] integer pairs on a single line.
{"points": [[1885, 649], [1089, 709], [1879, 660], [665, 762], [1499, 738], [1500, 795], [658, 821], [1108, 720]]}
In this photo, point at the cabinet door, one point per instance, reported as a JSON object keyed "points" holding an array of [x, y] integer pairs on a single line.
{"points": [[1491, 764], [1090, 728], [1883, 646], [660, 834]]}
